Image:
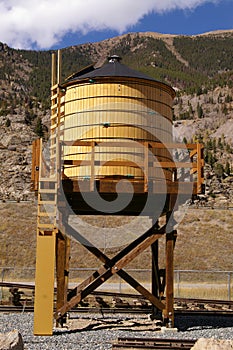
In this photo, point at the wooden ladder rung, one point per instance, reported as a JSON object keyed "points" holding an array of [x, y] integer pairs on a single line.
{"points": [[49, 191], [45, 225], [47, 202], [53, 126], [53, 97], [55, 86], [47, 214], [48, 179]]}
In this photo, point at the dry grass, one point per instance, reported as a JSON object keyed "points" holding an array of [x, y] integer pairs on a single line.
{"points": [[18, 234], [204, 241], [214, 291]]}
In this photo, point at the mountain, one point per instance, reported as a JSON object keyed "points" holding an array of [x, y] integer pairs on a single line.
{"points": [[198, 67]]}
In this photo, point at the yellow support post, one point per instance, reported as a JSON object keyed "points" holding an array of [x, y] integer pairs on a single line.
{"points": [[44, 285]]}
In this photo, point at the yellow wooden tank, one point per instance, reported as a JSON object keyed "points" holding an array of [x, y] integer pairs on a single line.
{"points": [[117, 104]]}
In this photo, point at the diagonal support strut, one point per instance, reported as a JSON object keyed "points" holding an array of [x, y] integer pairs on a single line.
{"points": [[112, 266]]}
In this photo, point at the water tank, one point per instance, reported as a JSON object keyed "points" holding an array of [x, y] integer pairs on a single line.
{"points": [[116, 104]]}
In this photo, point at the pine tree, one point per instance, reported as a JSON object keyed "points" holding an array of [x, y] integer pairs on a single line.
{"points": [[185, 140], [39, 127], [219, 170], [8, 123], [199, 111], [227, 168]]}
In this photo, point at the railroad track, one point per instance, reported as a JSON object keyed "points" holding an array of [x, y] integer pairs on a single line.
{"points": [[182, 306], [11, 308], [152, 343], [113, 310], [123, 295]]}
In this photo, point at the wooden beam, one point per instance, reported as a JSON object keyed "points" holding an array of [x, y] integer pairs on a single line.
{"points": [[169, 313], [111, 267], [155, 280], [170, 164], [170, 244], [193, 152], [77, 143], [62, 268], [103, 274], [102, 163], [133, 143], [173, 165], [108, 186], [36, 150]]}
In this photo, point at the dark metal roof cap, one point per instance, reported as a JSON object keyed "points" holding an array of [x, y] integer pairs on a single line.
{"points": [[111, 69]]}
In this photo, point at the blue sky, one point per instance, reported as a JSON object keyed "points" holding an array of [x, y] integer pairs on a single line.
{"points": [[53, 24], [204, 18]]}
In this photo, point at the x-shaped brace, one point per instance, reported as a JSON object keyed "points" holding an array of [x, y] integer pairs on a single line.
{"points": [[111, 267]]}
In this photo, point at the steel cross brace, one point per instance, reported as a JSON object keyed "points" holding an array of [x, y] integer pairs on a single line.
{"points": [[112, 266]]}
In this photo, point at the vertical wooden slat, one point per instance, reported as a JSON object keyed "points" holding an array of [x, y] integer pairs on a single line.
{"points": [[200, 161], [92, 180], [53, 72], [59, 62], [146, 163], [44, 284], [35, 164]]}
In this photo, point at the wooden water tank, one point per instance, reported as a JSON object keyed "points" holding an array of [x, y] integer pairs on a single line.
{"points": [[115, 103]]}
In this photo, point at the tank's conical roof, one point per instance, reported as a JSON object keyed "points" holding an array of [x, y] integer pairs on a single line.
{"points": [[114, 68]]}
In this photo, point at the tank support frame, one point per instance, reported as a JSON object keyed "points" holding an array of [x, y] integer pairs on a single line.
{"points": [[53, 229]]}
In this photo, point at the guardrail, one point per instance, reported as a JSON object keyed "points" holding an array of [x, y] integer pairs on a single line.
{"points": [[214, 284]]}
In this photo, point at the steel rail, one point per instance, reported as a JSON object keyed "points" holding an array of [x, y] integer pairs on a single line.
{"points": [[181, 305], [124, 310], [153, 343], [125, 295]]}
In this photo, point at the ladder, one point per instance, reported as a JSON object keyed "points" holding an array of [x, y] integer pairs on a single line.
{"points": [[47, 204], [47, 218], [50, 174]]}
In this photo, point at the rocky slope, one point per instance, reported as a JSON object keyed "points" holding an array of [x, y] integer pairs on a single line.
{"points": [[203, 108]]}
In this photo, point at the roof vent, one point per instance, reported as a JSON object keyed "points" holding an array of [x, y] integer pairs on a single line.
{"points": [[114, 58]]}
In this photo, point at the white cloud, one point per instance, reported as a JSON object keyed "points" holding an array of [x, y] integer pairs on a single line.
{"points": [[24, 23]]}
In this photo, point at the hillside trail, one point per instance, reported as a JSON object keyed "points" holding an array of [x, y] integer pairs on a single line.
{"points": [[170, 46]]}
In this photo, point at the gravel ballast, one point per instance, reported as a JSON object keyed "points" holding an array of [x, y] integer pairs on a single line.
{"points": [[97, 332]]}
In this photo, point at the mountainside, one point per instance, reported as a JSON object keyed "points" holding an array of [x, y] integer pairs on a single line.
{"points": [[198, 67]]}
